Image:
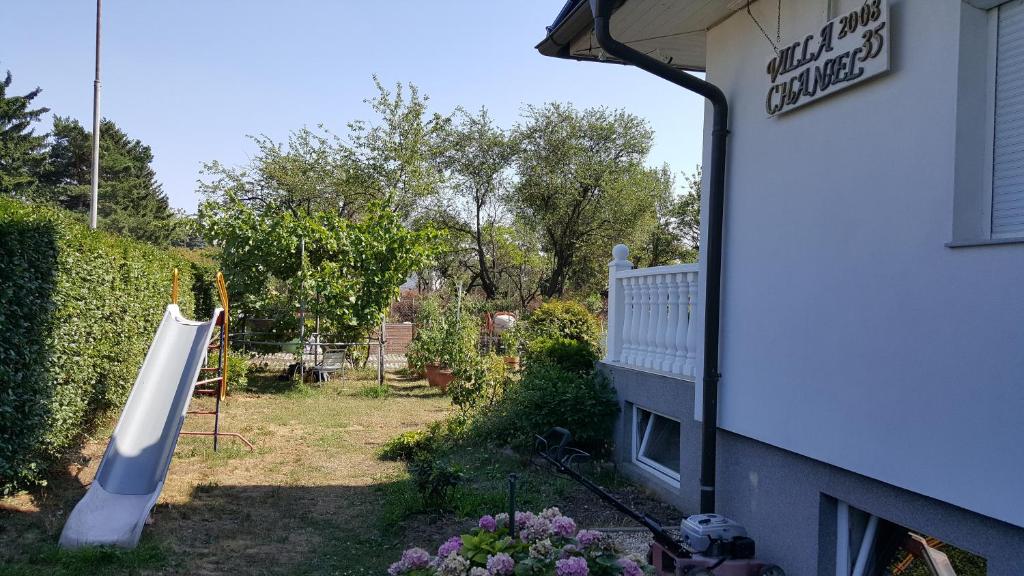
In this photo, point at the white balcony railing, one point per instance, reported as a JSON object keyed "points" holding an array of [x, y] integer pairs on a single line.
{"points": [[651, 315]]}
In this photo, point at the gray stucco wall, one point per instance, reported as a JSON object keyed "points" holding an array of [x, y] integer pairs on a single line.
{"points": [[781, 498], [785, 500], [671, 397]]}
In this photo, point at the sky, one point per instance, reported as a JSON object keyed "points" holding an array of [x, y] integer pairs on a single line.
{"points": [[193, 78]]}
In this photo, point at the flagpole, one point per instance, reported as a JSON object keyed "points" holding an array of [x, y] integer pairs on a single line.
{"points": [[96, 126]]}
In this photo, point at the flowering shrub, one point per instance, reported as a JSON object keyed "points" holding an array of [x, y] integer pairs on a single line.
{"points": [[546, 544]]}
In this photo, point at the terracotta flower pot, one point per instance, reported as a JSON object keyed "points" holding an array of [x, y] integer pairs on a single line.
{"points": [[439, 377]]}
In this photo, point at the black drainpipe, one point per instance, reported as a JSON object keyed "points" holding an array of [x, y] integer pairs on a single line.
{"points": [[602, 10]]}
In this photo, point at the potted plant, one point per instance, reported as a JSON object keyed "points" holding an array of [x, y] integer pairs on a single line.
{"points": [[444, 341]]}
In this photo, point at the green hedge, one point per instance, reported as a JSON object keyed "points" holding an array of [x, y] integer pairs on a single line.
{"points": [[78, 310]]}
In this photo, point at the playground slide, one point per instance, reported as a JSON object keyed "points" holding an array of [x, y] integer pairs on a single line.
{"points": [[131, 475]]}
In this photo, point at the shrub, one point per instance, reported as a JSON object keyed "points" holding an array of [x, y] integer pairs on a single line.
{"points": [[238, 369], [572, 355], [479, 381], [406, 446], [548, 395], [444, 336], [434, 479], [78, 310], [562, 319]]}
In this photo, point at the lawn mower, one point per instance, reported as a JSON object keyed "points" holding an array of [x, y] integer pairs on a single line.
{"points": [[709, 544]]}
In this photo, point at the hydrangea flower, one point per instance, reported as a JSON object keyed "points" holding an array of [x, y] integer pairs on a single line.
{"points": [[551, 513], [536, 529], [523, 518], [500, 565], [488, 523], [542, 549], [502, 520], [453, 565], [563, 526], [630, 568], [575, 566], [588, 538], [453, 544], [478, 571], [412, 559]]}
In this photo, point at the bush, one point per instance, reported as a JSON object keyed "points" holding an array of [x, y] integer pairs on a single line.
{"points": [[434, 479], [572, 355], [78, 310], [444, 336], [238, 369], [562, 319], [479, 382], [548, 395], [406, 446]]}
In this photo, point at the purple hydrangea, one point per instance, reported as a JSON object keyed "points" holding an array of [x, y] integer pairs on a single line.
{"points": [[488, 523], [453, 544], [630, 568], [523, 518], [588, 538], [500, 564], [536, 529], [412, 559], [563, 526], [575, 566]]}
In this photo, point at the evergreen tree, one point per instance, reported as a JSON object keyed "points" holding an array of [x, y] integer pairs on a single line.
{"points": [[21, 150], [131, 201]]}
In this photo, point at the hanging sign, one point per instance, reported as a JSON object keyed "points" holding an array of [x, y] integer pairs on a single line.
{"points": [[847, 51]]}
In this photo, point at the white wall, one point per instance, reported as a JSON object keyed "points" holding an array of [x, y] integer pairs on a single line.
{"points": [[851, 333]]}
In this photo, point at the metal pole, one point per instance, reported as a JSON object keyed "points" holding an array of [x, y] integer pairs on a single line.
{"points": [[302, 310], [512, 505], [381, 341], [93, 204]]}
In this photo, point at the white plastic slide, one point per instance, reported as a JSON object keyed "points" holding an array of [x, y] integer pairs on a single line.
{"points": [[131, 475]]}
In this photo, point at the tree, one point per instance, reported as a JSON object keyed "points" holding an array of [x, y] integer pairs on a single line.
{"points": [[676, 236], [132, 202], [351, 270], [396, 158], [477, 158], [22, 152], [583, 186]]}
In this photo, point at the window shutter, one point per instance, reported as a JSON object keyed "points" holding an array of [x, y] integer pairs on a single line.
{"points": [[1008, 155]]}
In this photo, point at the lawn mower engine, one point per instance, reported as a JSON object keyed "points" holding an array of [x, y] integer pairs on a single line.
{"points": [[712, 545]]}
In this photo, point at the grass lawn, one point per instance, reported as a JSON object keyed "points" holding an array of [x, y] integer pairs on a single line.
{"points": [[312, 499]]}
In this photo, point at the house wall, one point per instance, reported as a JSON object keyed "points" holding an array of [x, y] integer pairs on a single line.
{"points": [[670, 397], [851, 333]]}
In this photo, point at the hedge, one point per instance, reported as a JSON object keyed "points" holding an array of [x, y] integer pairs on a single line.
{"points": [[78, 309]]}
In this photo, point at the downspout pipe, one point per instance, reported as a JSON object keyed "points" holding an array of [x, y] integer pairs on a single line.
{"points": [[602, 10]]}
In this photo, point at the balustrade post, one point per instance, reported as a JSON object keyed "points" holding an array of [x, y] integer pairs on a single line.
{"points": [[643, 341], [690, 368], [631, 312], [660, 324], [683, 292], [673, 353], [617, 312]]}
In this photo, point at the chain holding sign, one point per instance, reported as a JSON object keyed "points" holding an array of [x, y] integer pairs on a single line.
{"points": [[847, 51]]}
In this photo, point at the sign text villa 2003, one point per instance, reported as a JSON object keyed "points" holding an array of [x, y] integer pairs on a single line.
{"points": [[848, 50]]}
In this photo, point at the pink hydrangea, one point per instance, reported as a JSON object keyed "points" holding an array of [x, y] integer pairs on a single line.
{"points": [[453, 544], [488, 523], [575, 566], [630, 568], [551, 513], [563, 526], [501, 565]]}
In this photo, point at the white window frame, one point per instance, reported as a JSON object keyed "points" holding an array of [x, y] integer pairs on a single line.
{"points": [[664, 473]]}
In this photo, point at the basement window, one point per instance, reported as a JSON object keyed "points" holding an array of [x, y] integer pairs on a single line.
{"points": [[656, 444]]}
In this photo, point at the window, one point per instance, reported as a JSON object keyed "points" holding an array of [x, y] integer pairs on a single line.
{"points": [[656, 444], [1007, 219], [988, 201]]}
